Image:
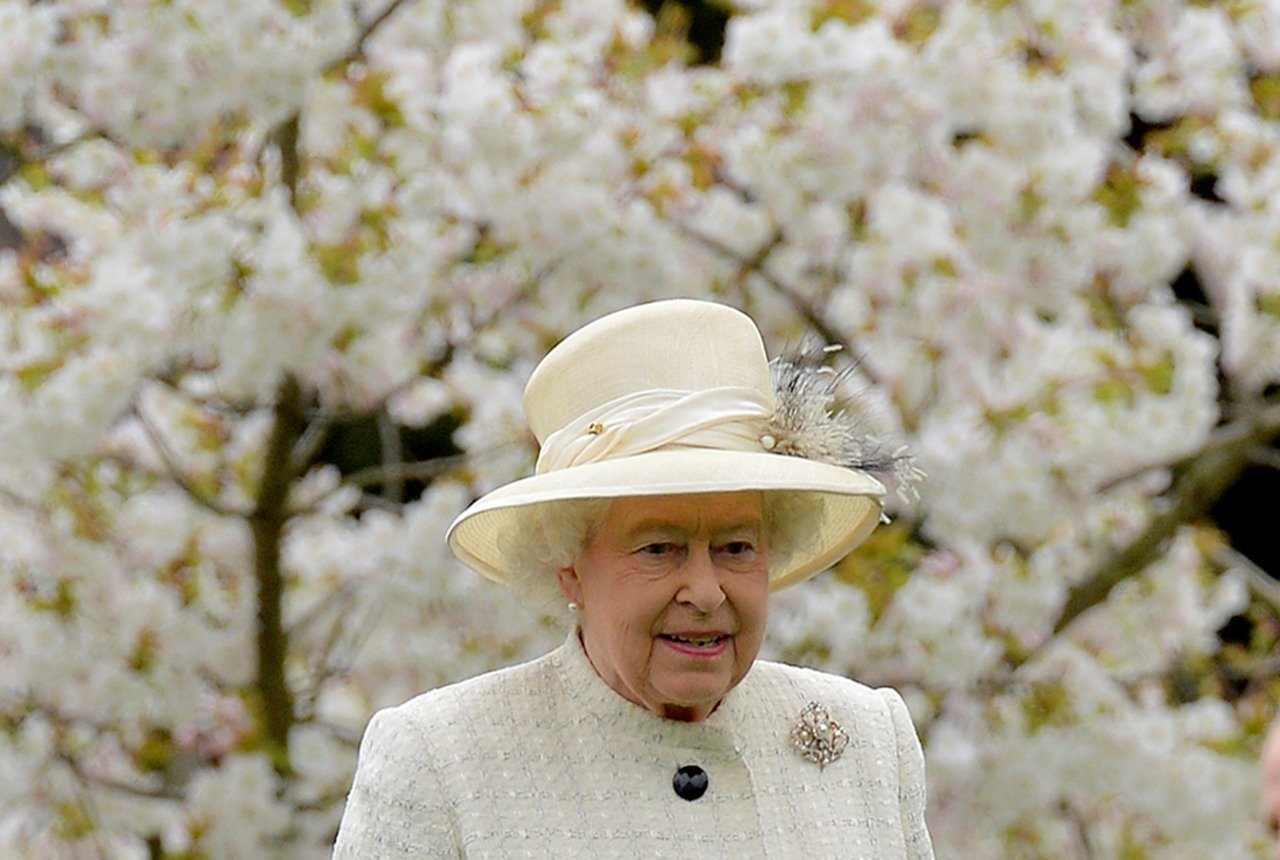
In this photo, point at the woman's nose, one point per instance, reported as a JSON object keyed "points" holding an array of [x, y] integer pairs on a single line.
{"points": [[701, 585]]}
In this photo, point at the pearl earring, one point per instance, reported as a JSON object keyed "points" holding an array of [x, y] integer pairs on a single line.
{"points": [[573, 607]]}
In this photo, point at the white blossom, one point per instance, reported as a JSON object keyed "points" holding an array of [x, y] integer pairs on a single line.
{"points": [[953, 190]]}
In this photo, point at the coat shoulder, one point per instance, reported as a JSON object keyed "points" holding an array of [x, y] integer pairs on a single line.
{"points": [[479, 699], [819, 686]]}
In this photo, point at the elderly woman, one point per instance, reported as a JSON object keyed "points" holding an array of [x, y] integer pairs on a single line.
{"points": [[678, 483]]}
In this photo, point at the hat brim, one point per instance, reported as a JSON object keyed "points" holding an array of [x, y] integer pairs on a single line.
{"points": [[850, 501]]}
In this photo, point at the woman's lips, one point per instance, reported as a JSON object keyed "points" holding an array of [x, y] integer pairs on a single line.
{"points": [[705, 645]]}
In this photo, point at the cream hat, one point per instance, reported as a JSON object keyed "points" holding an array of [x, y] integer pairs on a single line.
{"points": [[676, 397]]}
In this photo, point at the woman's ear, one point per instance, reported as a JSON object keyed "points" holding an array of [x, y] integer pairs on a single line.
{"points": [[570, 586]]}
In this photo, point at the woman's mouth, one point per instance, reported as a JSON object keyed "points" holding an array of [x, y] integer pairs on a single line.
{"points": [[697, 644]]}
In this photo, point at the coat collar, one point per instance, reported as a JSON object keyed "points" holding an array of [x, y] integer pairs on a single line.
{"points": [[601, 708]]}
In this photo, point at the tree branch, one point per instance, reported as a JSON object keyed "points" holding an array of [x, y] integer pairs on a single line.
{"points": [[160, 792], [347, 737], [322, 668], [366, 32], [396, 472], [1268, 457], [267, 523], [390, 472], [307, 446], [1199, 482], [1257, 579], [285, 137], [176, 473], [757, 264], [18, 501], [392, 455]]}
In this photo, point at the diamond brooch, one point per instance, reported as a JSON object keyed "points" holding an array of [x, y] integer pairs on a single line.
{"points": [[817, 737]]}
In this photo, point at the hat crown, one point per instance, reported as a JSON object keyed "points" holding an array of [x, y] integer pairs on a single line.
{"points": [[677, 344]]}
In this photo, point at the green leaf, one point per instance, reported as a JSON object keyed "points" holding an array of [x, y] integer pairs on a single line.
{"points": [[1114, 390], [156, 751], [370, 92], [882, 565], [1120, 194], [1159, 375], [340, 263], [1047, 705], [1266, 95], [74, 822], [1268, 304], [62, 604], [851, 12]]}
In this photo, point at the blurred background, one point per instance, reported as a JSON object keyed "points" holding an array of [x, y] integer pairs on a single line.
{"points": [[273, 274]]}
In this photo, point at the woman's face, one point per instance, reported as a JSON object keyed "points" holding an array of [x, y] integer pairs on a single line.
{"points": [[674, 593]]}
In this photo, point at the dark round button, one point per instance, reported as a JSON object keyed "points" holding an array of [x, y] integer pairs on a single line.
{"points": [[690, 782]]}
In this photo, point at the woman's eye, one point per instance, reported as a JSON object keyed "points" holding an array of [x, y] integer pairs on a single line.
{"points": [[738, 555], [657, 549]]}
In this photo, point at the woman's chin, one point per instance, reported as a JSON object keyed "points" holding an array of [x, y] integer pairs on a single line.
{"points": [[690, 699]]}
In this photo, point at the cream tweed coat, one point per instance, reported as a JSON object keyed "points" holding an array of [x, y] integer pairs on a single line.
{"points": [[545, 760]]}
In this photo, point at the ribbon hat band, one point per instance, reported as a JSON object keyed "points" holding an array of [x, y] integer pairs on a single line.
{"points": [[727, 418]]}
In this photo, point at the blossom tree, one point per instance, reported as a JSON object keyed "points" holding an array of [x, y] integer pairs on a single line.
{"points": [[1046, 233]]}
